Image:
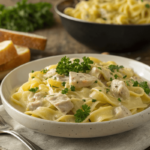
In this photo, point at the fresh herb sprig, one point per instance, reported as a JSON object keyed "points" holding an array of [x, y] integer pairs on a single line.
{"points": [[82, 114], [34, 90], [114, 67], [26, 17], [143, 85], [65, 65]]}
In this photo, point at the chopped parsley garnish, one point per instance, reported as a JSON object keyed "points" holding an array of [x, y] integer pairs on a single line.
{"points": [[81, 114], [127, 82], [65, 65], [116, 76], [100, 90], [143, 85], [32, 71], [104, 19], [95, 81], [107, 90], [124, 76], [65, 91], [44, 71], [93, 100], [54, 78], [46, 78], [100, 68], [147, 5], [33, 89], [111, 79], [141, 0], [50, 85], [115, 67], [72, 88], [55, 86], [119, 99], [84, 100], [33, 77], [63, 83]]}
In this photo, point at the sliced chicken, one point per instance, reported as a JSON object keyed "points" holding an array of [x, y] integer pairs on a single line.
{"points": [[121, 112], [106, 74], [61, 101], [95, 72], [58, 77], [34, 105], [119, 89], [39, 95], [50, 73], [80, 80]]}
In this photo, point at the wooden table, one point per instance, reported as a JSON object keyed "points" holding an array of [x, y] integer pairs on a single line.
{"points": [[60, 42]]}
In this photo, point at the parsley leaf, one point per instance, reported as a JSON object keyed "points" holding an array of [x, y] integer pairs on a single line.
{"points": [[143, 85], [65, 91], [100, 90], [63, 83], [119, 99], [32, 71], [33, 77], [147, 5], [116, 76], [100, 68], [107, 90], [55, 86], [93, 100], [84, 100], [114, 67], [44, 71], [124, 76], [127, 82], [65, 65], [81, 114], [33, 89], [72, 88], [111, 79], [95, 81], [26, 17]]}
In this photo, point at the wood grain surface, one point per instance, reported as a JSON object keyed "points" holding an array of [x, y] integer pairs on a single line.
{"points": [[60, 42]]}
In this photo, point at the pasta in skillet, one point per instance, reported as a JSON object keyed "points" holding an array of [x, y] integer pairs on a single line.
{"points": [[112, 11], [83, 90]]}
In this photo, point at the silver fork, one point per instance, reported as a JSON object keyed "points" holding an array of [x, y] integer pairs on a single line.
{"points": [[6, 128]]}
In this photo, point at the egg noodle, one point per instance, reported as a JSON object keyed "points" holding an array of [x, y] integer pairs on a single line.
{"points": [[112, 11], [83, 90]]}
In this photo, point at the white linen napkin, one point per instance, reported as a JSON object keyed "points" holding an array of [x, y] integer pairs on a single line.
{"points": [[136, 139]]}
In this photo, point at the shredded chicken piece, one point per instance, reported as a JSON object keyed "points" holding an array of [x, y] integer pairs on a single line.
{"points": [[119, 89]]}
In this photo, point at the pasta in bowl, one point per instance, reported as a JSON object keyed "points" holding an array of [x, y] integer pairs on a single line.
{"points": [[112, 11], [83, 90], [57, 124]]}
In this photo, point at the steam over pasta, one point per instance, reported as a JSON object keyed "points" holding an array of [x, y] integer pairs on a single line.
{"points": [[112, 11], [83, 90]]}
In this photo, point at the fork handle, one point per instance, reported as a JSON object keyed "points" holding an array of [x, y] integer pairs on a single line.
{"points": [[29, 144]]}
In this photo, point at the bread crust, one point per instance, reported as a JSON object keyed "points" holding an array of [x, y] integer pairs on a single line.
{"points": [[22, 58], [29, 40]]}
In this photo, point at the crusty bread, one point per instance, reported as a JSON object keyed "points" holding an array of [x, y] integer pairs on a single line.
{"points": [[24, 39], [7, 52], [23, 57]]}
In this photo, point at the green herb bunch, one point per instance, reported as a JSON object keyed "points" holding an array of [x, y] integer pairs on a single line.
{"points": [[65, 65], [26, 17], [81, 114]]}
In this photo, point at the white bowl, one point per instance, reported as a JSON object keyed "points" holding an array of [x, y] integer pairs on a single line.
{"points": [[71, 130]]}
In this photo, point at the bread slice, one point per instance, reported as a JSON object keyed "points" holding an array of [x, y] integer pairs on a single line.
{"points": [[7, 52], [23, 57], [24, 39]]}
